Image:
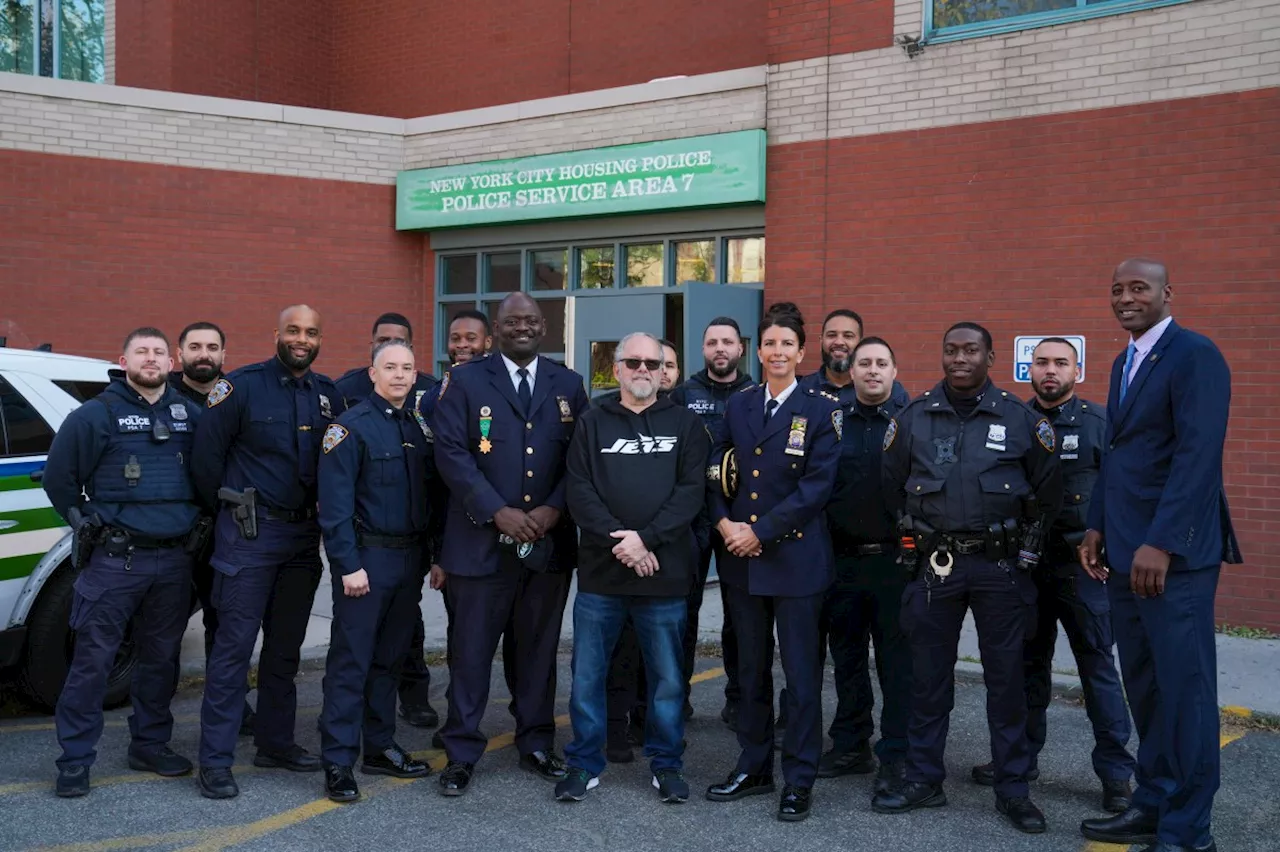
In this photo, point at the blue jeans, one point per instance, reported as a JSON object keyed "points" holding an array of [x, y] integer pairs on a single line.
{"points": [[659, 624]]}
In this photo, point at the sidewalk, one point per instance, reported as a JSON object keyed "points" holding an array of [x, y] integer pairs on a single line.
{"points": [[1248, 669]]}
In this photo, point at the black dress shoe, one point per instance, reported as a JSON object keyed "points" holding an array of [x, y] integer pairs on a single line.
{"points": [[859, 761], [890, 776], [1117, 796], [217, 782], [73, 782], [795, 803], [296, 759], [162, 761], [340, 783], [908, 797], [1170, 847], [544, 764], [1132, 826], [455, 778], [1022, 813], [394, 761], [739, 785], [985, 774], [420, 715]]}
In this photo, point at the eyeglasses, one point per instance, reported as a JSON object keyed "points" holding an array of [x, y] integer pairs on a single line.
{"points": [[653, 365]]}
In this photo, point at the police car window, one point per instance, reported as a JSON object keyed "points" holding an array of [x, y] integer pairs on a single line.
{"points": [[82, 391], [25, 432]]}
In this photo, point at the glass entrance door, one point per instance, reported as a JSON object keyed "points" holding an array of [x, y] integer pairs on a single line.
{"points": [[599, 322]]}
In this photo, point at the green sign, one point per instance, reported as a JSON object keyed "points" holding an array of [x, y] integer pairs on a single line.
{"points": [[701, 171]]}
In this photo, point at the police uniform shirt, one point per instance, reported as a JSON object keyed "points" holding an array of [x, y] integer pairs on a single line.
{"points": [[196, 395], [131, 457], [1080, 427], [374, 471], [355, 386], [960, 475], [857, 513], [262, 428]]}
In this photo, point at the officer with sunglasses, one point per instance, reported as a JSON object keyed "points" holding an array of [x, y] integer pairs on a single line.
{"points": [[129, 451]]}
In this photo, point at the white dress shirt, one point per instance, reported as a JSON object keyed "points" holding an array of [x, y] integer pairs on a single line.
{"points": [[513, 367], [782, 397]]}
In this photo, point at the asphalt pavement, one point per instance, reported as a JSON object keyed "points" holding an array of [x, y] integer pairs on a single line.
{"points": [[509, 809]]}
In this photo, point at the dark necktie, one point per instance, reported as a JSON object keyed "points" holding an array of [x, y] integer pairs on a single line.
{"points": [[524, 391], [769, 408]]}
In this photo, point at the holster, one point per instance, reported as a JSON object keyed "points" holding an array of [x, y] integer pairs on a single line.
{"points": [[199, 536], [244, 509]]}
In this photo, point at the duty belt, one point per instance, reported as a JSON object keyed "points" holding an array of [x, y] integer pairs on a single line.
{"points": [[398, 542], [870, 549], [289, 516], [139, 542], [965, 543]]}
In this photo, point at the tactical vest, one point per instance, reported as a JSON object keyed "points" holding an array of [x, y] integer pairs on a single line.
{"points": [[702, 402], [138, 468]]}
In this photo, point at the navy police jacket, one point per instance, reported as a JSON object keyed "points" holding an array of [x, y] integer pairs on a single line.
{"points": [[848, 394], [133, 460], [961, 475], [355, 386], [491, 455], [1080, 427], [262, 429], [786, 471], [857, 512], [375, 475]]}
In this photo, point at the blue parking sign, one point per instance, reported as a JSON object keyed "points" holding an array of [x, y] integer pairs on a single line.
{"points": [[1025, 345]]}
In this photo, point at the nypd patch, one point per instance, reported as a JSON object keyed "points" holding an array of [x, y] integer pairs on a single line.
{"points": [[220, 391], [444, 385], [333, 436], [837, 420], [1044, 434], [890, 434]]}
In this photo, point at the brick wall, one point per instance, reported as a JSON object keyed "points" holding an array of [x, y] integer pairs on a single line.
{"points": [[398, 58], [129, 244], [806, 29], [1018, 224]]}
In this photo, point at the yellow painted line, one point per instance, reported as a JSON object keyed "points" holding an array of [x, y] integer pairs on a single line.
{"points": [[709, 674], [1229, 737], [1095, 846], [109, 781], [111, 723], [1240, 712], [139, 842]]}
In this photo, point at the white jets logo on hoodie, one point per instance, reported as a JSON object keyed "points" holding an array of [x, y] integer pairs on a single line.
{"points": [[642, 444]]}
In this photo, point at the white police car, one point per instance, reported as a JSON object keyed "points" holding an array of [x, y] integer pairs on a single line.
{"points": [[37, 392]]}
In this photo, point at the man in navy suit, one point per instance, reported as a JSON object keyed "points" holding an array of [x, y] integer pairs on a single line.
{"points": [[502, 429], [1160, 510]]}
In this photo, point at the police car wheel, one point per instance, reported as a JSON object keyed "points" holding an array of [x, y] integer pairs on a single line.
{"points": [[50, 643]]}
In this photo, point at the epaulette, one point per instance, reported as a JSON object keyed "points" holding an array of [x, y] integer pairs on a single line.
{"points": [[830, 396], [352, 372], [1092, 409], [750, 388], [247, 368]]}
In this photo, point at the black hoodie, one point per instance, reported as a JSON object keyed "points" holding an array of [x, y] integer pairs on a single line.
{"points": [[644, 472]]}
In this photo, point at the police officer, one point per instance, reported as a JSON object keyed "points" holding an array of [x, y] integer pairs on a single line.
{"points": [[502, 427], [865, 602], [355, 387], [841, 332], [374, 507], [1066, 593], [777, 560], [961, 462], [128, 451], [707, 393], [262, 431], [202, 350]]}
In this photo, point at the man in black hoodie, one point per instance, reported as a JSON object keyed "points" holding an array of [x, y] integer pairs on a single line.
{"points": [[634, 487], [706, 393]]}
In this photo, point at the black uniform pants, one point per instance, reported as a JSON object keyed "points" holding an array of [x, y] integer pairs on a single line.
{"points": [[530, 607], [799, 640], [202, 594], [415, 677], [933, 609], [864, 605]]}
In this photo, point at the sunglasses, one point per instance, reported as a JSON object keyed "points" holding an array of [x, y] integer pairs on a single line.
{"points": [[652, 364]]}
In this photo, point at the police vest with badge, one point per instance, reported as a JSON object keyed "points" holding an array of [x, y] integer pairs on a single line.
{"points": [[986, 483]]}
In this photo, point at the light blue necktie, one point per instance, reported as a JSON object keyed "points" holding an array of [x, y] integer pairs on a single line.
{"points": [[1128, 363]]}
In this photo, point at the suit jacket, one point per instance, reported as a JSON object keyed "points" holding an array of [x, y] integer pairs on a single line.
{"points": [[1161, 477], [781, 494], [491, 456]]}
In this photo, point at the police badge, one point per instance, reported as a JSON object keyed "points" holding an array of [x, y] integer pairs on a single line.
{"points": [[326, 410], [795, 438], [566, 413], [178, 411], [220, 391], [1070, 443], [333, 436]]}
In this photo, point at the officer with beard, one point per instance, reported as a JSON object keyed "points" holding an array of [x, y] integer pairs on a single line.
{"points": [[201, 354], [841, 332], [355, 386], [262, 430]]}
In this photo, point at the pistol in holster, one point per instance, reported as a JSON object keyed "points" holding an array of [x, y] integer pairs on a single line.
{"points": [[916, 539], [244, 509], [86, 533], [199, 536]]}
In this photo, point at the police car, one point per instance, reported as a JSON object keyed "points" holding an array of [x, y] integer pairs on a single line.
{"points": [[37, 392]]}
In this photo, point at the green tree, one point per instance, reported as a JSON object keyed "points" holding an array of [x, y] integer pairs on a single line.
{"points": [[17, 36], [954, 13], [83, 40]]}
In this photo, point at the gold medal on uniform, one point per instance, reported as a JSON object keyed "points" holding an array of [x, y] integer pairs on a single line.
{"points": [[485, 423], [795, 439]]}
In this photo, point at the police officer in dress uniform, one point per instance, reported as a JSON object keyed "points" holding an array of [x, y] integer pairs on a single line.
{"points": [[778, 561], [706, 393], [355, 387], [502, 428], [202, 350], [262, 431], [128, 450], [961, 462], [375, 472], [1066, 593], [864, 603]]}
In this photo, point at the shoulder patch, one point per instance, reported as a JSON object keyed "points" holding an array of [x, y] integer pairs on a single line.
{"points": [[220, 391], [890, 434], [837, 420], [333, 436], [1044, 434], [444, 385]]}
